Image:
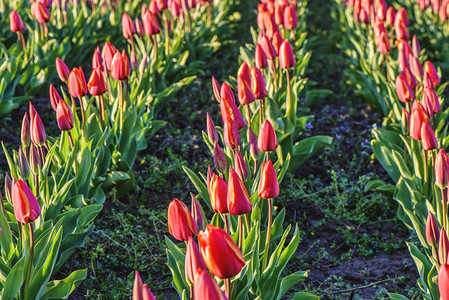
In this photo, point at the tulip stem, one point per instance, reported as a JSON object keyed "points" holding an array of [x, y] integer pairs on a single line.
{"points": [[226, 221], [83, 116], [167, 34], [444, 199], [247, 224], [227, 287], [3, 205], [120, 101], [154, 50], [30, 263], [267, 243], [261, 111], [71, 139], [426, 172], [248, 116], [240, 232], [209, 15]]}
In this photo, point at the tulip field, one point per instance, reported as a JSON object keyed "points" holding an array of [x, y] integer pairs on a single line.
{"points": [[224, 149]]}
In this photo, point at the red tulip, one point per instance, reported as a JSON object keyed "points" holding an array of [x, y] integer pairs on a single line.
{"points": [[140, 290], [197, 213], [433, 98], [279, 14], [162, 4], [429, 141], [64, 116], [240, 165], [97, 61], [402, 32], [226, 92], [442, 169], [35, 161], [218, 191], [415, 46], [25, 133], [260, 58], [222, 256], [211, 130], [290, 17], [238, 198], [193, 261], [390, 16], [286, 56], [26, 207], [267, 47], [381, 12], [205, 287], [216, 88], [77, 83], [416, 67], [432, 231], [267, 137], [128, 26], [219, 158], [408, 76], [180, 221], [258, 83], [403, 89], [175, 9], [231, 134], [244, 73], [417, 118], [54, 97], [15, 22], [401, 15], [430, 69], [40, 12], [253, 144], [277, 40], [96, 84], [435, 5], [245, 95], [108, 54], [443, 247], [139, 27], [154, 8], [270, 25], [38, 136], [229, 109], [62, 70], [120, 66], [268, 184], [150, 23], [443, 282]]}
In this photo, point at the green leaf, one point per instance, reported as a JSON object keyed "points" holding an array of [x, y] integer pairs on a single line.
{"points": [[199, 185], [15, 279], [306, 148], [61, 289], [305, 296]]}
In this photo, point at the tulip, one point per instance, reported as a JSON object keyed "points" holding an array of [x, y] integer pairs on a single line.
{"points": [[229, 109], [226, 92], [97, 61], [408, 76], [401, 15], [96, 84], [128, 26], [253, 144], [381, 12], [403, 89], [26, 207], [416, 47], [416, 67], [40, 12], [8, 187], [64, 116], [279, 14], [154, 8], [175, 9], [417, 118], [240, 165], [15, 22], [258, 83], [197, 213], [443, 282], [38, 136], [268, 183], [147, 294], [218, 191], [205, 287], [435, 5], [193, 262], [180, 221], [384, 43], [35, 160], [238, 198], [290, 17], [77, 83], [427, 106], [245, 95], [23, 164], [108, 54], [429, 141], [139, 27], [150, 23], [402, 32], [216, 88], [390, 16], [231, 134], [267, 137], [140, 290], [442, 169], [222, 256], [432, 232], [260, 57], [62, 70], [430, 69], [25, 133], [267, 47], [286, 56], [162, 4], [433, 98], [443, 247], [277, 41], [405, 118], [219, 158], [211, 130], [120, 66], [244, 74], [54, 97], [364, 17]]}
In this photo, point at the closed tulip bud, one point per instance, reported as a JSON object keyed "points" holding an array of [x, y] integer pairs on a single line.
{"points": [[35, 160], [26, 207], [408, 76], [220, 253], [97, 61], [277, 40], [364, 17], [32, 111], [154, 8], [38, 136], [240, 165], [77, 83], [193, 261], [8, 187], [238, 198], [231, 134], [290, 17], [226, 92], [417, 118], [252, 139], [381, 12], [429, 141], [54, 97], [443, 281], [435, 5], [443, 12], [268, 183], [15, 22], [432, 232], [405, 118], [401, 15], [218, 192], [443, 247], [197, 213], [96, 84], [427, 81], [150, 23], [205, 287], [258, 83], [108, 54], [260, 57], [211, 129], [140, 290], [133, 60], [23, 164], [147, 294], [40, 12], [162, 4], [143, 64], [64, 116], [402, 32], [120, 69], [219, 158], [175, 9], [216, 88], [128, 26], [139, 27], [279, 14], [430, 69], [267, 47], [209, 176], [403, 60], [433, 98], [390, 16], [26, 133], [286, 56], [384, 43], [245, 95], [62, 70], [244, 73], [229, 109], [416, 67], [267, 137], [180, 221], [442, 169], [416, 47], [270, 25], [403, 89]]}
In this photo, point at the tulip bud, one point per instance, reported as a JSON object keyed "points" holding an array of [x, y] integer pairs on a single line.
{"points": [[108, 54], [180, 221], [219, 158], [267, 137], [429, 141], [139, 27], [32, 111], [220, 253], [150, 23], [77, 83], [97, 61], [96, 84], [231, 134], [442, 169], [244, 73], [416, 67], [23, 164], [443, 281], [268, 184], [8, 187], [286, 56], [260, 57], [140, 290], [211, 130], [240, 165], [15, 22], [401, 15], [64, 116], [390, 16], [432, 232], [40, 12], [427, 106], [193, 261], [26, 207], [238, 198], [416, 47], [253, 144], [267, 47], [408, 76], [38, 136], [26, 133], [405, 118], [245, 95], [35, 160], [430, 69], [279, 14], [154, 8], [443, 247], [216, 88], [205, 287], [433, 98], [290, 17], [226, 92], [229, 109], [54, 97], [403, 89], [62, 70], [162, 4], [417, 118], [175, 9], [218, 192], [435, 5], [277, 41], [128, 26], [270, 25], [143, 64], [384, 43], [133, 60], [120, 66], [197, 213], [258, 83]]}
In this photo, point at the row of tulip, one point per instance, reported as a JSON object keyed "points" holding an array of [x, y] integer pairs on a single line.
{"points": [[391, 71], [71, 30], [56, 186], [243, 243]]}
